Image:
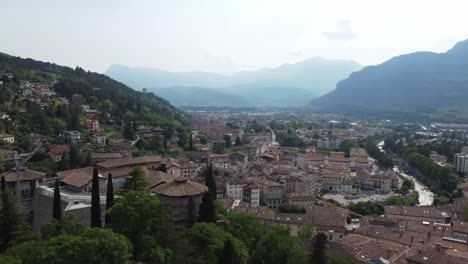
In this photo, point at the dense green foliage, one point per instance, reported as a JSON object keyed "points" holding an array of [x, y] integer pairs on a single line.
{"points": [[442, 181], [438, 175], [319, 255], [366, 208], [277, 247], [408, 200], [136, 181], [99, 90], [374, 151], [13, 226], [289, 140], [407, 186], [91, 246], [347, 144]]}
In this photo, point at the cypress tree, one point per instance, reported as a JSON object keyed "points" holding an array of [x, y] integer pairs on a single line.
{"points": [[95, 201], [210, 181], [57, 206], [3, 185], [109, 197], [319, 254], [238, 141], [136, 181], [229, 254], [207, 212], [190, 142]]}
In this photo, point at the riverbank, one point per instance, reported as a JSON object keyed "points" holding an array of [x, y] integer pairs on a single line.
{"points": [[426, 197]]}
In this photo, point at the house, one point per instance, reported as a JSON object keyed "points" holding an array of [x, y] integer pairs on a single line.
{"points": [[99, 138], [379, 183], [301, 199], [79, 180], [460, 230], [121, 167], [8, 155], [251, 194], [72, 137], [91, 125], [416, 213], [331, 182], [116, 139], [436, 256], [37, 139], [29, 181], [188, 169], [57, 151], [235, 187], [358, 153], [7, 138], [27, 93], [272, 192]]}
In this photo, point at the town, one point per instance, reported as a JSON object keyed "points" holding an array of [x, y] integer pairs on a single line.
{"points": [[340, 177], [234, 132]]}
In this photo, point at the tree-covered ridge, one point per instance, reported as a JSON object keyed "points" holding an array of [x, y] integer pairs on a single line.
{"points": [[101, 92]]}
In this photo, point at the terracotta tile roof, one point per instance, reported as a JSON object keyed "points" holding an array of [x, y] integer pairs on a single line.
{"points": [[417, 211], [291, 218], [410, 238], [436, 257], [112, 155], [6, 152], [299, 195], [237, 180], [77, 178], [180, 187], [129, 162], [156, 178], [460, 226], [5, 135], [59, 149], [327, 216], [25, 175], [358, 152]]}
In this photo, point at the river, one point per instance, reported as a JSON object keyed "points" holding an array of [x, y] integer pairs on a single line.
{"points": [[426, 197]]}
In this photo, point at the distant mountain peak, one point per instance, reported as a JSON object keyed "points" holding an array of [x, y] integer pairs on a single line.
{"points": [[460, 47], [425, 79]]}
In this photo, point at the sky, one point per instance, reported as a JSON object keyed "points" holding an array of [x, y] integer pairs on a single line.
{"points": [[225, 36]]}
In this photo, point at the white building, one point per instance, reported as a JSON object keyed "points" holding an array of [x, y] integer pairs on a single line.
{"points": [[460, 161], [7, 138], [235, 187]]}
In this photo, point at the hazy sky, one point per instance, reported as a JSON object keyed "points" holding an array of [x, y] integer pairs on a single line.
{"points": [[225, 35]]}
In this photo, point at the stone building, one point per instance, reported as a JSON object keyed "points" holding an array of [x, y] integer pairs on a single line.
{"points": [[178, 195]]}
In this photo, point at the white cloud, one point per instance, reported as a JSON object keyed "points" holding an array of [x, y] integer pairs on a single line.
{"points": [[344, 31]]}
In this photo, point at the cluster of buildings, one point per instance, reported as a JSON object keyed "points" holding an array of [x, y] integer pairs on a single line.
{"points": [[39, 93]]}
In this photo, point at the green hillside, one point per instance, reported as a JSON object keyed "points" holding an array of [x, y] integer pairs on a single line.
{"points": [[119, 102]]}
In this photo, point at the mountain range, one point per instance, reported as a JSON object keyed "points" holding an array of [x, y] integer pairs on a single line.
{"points": [[286, 85], [416, 80]]}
